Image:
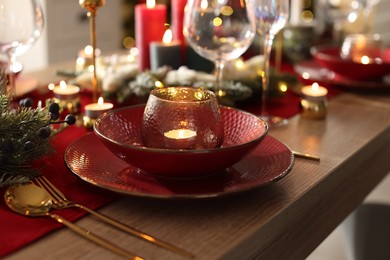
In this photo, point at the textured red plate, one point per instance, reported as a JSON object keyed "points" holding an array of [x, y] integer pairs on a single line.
{"points": [[90, 160]]}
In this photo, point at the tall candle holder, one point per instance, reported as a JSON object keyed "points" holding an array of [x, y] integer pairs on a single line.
{"points": [[91, 6]]}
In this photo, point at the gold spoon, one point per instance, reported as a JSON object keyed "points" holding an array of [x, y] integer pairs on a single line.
{"points": [[33, 201]]}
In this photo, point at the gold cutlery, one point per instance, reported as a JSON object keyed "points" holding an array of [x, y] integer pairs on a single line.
{"points": [[306, 156], [33, 201], [60, 201]]}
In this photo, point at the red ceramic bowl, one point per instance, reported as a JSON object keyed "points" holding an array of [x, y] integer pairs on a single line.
{"points": [[329, 57], [120, 131]]}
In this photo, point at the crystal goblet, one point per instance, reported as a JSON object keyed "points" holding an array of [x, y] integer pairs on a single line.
{"points": [[271, 17], [22, 24], [219, 31]]}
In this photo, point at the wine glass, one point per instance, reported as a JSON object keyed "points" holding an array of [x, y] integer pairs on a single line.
{"points": [[347, 11], [271, 16], [219, 30], [21, 25]]}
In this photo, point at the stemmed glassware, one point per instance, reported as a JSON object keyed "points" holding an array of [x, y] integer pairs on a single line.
{"points": [[271, 16], [219, 30], [347, 11], [21, 24]]}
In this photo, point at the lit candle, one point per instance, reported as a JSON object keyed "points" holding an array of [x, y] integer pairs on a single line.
{"points": [[180, 139], [95, 110], [315, 91], [149, 26], [65, 91], [314, 103], [67, 96], [165, 53]]}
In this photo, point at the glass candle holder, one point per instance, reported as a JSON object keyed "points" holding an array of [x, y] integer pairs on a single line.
{"points": [[363, 48], [182, 118], [314, 102], [67, 96]]}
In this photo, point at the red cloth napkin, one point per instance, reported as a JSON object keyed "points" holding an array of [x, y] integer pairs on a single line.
{"points": [[17, 231]]}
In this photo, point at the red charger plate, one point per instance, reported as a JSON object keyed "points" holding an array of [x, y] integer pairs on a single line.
{"points": [[91, 161]]}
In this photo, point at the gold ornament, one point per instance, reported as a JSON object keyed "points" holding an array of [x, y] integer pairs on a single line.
{"points": [[91, 5]]}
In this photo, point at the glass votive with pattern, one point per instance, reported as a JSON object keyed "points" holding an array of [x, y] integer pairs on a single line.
{"points": [[363, 48], [182, 118]]}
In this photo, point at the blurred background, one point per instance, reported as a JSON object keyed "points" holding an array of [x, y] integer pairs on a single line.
{"points": [[311, 22]]}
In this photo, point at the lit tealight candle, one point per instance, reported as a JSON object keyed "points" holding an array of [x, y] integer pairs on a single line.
{"points": [[180, 139], [67, 96], [314, 103], [95, 110], [315, 90], [65, 91]]}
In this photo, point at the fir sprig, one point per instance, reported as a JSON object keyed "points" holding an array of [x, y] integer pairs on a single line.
{"points": [[24, 137]]}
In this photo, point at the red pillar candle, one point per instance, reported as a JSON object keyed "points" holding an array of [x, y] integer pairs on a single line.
{"points": [[177, 16], [149, 26]]}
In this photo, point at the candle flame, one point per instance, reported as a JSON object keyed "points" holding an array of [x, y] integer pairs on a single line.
{"points": [[100, 101], [181, 134], [88, 50], [282, 86], [150, 3], [365, 59], [240, 64], [167, 38], [63, 84], [315, 86], [204, 4]]}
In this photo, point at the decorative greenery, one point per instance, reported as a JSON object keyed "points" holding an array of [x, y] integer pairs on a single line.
{"points": [[143, 82], [234, 91], [24, 136], [121, 79]]}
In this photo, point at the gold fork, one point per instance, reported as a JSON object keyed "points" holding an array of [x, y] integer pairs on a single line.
{"points": [[60, 201]]}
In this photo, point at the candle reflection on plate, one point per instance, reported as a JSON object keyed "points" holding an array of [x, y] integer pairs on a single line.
{"points": [[180, 139]]}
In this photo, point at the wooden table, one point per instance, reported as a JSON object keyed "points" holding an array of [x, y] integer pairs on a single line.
{"points": [[287, 220]]}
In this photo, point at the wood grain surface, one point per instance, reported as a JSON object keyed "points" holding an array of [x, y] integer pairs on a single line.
{"points": [[286, 220]]}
